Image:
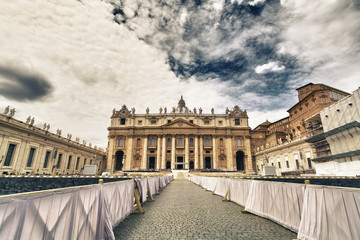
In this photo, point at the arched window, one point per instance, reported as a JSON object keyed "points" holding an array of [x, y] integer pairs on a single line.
{"points": [[180, 141], [138, 142], [152, 142], [207, 142], [221, 142], [169, 142], [191, 143], [121, 142], [238, 142]]}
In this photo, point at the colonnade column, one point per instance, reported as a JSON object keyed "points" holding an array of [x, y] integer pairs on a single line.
{"points": [[163, 154], [173, 152], [249, 166], [196, 153], [158, 151], [214, 153], [187, 165], [144, 157], [201, 153], [230, 161], [127, 164]]}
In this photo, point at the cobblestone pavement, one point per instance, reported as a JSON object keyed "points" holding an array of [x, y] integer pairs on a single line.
{"points": [[184, 210]]}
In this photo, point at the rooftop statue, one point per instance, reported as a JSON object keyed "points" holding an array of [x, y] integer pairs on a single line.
{"points": [[200, 111], [195, 110], [12, 113], [165, 109], [147, 110], [6, 110], [133, 110], [212, 110], [160, 110]]}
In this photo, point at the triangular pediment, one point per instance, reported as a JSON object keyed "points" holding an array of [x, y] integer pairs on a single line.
{"points": [[180, 123]]}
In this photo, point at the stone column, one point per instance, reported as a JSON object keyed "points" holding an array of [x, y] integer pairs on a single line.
{"points": [[230, 160], [187, 165], [173, 152], [129, 146], [144, 157], [158, 152], [163, 156], [201, 153], [248, 165], [39, 161], [214, 153], [109, 157], [196, 152]]}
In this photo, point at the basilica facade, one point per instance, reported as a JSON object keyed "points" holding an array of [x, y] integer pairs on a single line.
{"points": [[179, 138]]}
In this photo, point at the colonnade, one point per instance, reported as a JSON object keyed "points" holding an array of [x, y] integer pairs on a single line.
{"points": [[168, 148]]}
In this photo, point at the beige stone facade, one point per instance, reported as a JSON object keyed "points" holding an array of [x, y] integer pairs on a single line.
{"points": [[25, 148], [179, 138], [283, 144]]}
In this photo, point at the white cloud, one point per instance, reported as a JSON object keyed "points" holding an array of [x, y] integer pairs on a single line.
{"points": [[93, 63], [255, 2], [324, 37], [269, 67]]}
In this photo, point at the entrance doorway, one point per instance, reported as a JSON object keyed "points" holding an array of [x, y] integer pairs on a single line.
{"points": [[179, 162], [152, 162], [207, 163], [191, 165], [168, 165], [119, 160], [240, 164]]}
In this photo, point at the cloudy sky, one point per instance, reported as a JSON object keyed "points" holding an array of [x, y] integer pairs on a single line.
{"points": [[69, 63]]}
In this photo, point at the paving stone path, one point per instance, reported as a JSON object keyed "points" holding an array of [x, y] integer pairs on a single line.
{"points": [[184, 210]]}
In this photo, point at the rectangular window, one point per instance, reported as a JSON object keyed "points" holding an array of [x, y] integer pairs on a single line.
{"points": [[122, 121], [238, 142], [169, 121], [31, 157], [207, 151], [90, 161], [69, 162], [237, 121], [9, 154], [168, 151], [309, 163], [84, 162], [77, 162], [152, 142], [279, 164], [121, 142], [153, 122], [139, 122], [206, 122], [220, 123], [287, 164], [207, 142], [192, 121], [47, 156], [58, 164], [191, 142], [297, 164]]}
